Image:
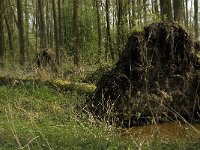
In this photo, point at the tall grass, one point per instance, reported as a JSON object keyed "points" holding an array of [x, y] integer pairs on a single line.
{"points": [[39, 117]]}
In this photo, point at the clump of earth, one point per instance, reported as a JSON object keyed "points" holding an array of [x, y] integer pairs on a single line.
{"points": [[156, 79]]}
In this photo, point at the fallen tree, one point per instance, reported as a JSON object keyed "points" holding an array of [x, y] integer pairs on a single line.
{"points": [[156, 79], [61, 85]]}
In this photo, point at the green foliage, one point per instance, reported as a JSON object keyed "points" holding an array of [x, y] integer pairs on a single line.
{"points": [[36, 116], [93, 76]]}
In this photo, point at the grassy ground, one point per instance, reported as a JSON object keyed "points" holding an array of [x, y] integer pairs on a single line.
{"points": [[37, 116]]}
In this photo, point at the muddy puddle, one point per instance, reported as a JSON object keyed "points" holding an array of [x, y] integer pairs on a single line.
{"points": [[167, 131]]}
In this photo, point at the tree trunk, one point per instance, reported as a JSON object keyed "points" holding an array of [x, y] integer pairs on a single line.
{"points": [[196, 33], [21, 32], [166, 10], [99, 30], [60, 23], [186, 13], [133, 18], [42, 25], [139, 14], [56, 38], [156, 7], [76, 33], [10, 37], [27, 29], [48, 24], [108, 35], [1, 33], [178, 11], [120, 26], [145, 11]]}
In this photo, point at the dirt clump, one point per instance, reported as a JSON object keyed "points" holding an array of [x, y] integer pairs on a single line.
{"points": [[156, 79]]}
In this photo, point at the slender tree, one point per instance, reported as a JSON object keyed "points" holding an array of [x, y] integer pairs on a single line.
{"points": [[139, 14], [56, 37], [120, 26], [196, 30], [155, 9], [99, 30], [21, 32], [1, 33], [27, 25], [145, 11], [60, 38], [108, 35], [42, 25], [133, 16], [186, 13], [76, 33], [10, 29]]}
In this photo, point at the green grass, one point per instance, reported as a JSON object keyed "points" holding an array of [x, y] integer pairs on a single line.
{"points": [[40, 117]]}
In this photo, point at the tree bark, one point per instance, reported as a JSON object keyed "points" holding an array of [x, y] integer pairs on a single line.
{"points": [[42, 25], [186, 13], [21, 32], [76, 33], [166, 10], [99, 30], [27, 29], [156, 7], [60, 23], [1, 34], [10, 38], [133, 9], [178, 11], [120, 26], [108, 35], [145, 11], [56, 38], [196, 33]]}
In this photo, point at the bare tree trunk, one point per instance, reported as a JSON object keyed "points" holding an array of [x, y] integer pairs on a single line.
{"points": [[139, 14], [1, 34], [133, 9], [76, 33], [42, 25], [48, 24], [21, 32], [186, 13], [196, 32], [60, 23], [120, 26], [108, 35], [178, 11], [56, 38], [99, 30], [145, 11], [166, 10], [27, 29], [10, 37], [156, 7]]}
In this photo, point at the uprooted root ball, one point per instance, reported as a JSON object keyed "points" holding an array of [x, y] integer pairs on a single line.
{"points": [[155, 80], [45, 59]]}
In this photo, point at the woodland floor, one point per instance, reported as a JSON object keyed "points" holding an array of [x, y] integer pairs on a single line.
{"points": [[42, 114]]}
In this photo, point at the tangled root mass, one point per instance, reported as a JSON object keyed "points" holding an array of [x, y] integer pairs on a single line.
{"points": [[156, 79]]}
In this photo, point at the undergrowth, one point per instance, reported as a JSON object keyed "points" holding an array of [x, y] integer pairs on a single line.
{"points": [[35, 117]]}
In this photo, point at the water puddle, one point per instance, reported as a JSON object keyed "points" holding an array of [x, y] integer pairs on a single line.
{"points": [[164, 131]]}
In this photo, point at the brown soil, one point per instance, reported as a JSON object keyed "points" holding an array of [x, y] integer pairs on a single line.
{"points": [[156, 79]]}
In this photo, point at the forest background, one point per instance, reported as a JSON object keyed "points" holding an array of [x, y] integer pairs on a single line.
{"points": [[81, 32]]}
